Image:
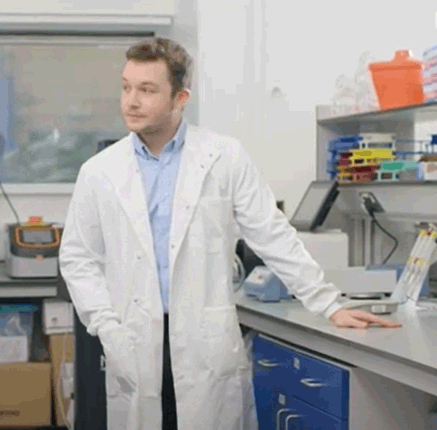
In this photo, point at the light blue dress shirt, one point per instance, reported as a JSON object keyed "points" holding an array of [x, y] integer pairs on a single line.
{"points": [[159, 175]]}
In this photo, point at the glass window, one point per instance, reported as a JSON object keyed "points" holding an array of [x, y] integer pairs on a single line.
{"points": [[58, 98]]}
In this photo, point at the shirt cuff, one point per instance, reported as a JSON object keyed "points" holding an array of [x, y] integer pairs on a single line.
{"points": [[334, 307], [108, 325]]}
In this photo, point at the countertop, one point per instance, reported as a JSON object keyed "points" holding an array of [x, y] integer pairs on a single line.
{"points": [[411, 348]]}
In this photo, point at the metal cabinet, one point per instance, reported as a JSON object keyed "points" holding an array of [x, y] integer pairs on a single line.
{"points": [[295, 390]]}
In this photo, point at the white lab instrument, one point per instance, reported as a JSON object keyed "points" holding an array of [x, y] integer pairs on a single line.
{"points": [[358, 281], [411, 281], [321, 244], [354, 282], [32, 249]]}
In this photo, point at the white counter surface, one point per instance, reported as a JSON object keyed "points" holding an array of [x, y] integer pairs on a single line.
{"points": [[407, 354]]}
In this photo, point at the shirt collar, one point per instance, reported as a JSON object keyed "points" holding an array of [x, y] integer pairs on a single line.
{"points": [[172, 146]]}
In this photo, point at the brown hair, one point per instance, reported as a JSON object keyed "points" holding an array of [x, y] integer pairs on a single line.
{"points": [[179, 61]]}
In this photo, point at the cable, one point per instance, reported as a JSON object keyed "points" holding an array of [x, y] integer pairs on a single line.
{"points": [[10, 204], [371, 207], [389, 235]]}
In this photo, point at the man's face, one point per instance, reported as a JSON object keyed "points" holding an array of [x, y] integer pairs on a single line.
{"points": [[146, 103]]}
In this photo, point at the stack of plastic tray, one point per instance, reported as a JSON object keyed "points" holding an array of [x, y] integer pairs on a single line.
{"points": [[430, 74], [357, 158], [391, 170]]}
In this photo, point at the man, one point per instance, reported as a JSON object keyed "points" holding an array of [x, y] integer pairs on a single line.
{"points": [[147, 255]]}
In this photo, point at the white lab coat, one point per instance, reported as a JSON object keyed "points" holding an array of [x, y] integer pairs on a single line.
{"points": [[107, 260]]}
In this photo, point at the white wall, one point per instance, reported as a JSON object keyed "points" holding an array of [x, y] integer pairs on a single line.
{"points": [[303, 46], [246, 47]]}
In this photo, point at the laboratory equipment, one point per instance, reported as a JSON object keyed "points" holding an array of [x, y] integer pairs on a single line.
{"points": [[264, 285], [416, 269], [32, 249], [315, 205], [362, 283], [354, 282], [411, 281], [321, 244]]}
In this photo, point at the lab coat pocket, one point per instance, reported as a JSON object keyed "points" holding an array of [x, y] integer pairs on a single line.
{"points": [[223, 340], [121, 376]]}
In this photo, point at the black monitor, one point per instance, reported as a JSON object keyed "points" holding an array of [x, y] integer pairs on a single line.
{"points": [[315, 205]]}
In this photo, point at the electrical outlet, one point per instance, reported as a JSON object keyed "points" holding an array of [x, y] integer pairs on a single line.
{"points": [[369, 203]]}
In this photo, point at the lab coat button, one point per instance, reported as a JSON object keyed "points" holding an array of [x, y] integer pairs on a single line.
{"points": [[188, 206], [202, 166]]}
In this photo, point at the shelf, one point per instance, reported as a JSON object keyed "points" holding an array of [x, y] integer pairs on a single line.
{"points": [[24, 292], [411, 113], [33, 287], [388, 183]]}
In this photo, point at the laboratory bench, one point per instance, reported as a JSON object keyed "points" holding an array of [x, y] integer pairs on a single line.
{"points": [[341, 378]]}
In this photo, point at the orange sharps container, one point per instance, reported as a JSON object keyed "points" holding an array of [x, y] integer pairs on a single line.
{"points": [[398, 82]]}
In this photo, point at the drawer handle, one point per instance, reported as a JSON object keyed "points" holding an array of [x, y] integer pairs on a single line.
{"points": [[311, 384], [267, 363], [290, 417], [278, 417]]}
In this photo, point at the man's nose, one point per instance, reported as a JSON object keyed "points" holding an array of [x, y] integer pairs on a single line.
{"points": [[133, 99]]}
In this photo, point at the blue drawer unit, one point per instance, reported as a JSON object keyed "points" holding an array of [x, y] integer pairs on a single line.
{"points": [[294, 390], [302, 416], [323, 385], [278, 358], [269, 360]]}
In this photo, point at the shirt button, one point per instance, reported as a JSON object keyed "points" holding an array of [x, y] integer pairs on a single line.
{"points": [[173, 246], [188, 207], [202, 166]]}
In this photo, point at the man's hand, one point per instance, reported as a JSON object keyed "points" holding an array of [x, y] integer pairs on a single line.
{"points": [[360, 319]]}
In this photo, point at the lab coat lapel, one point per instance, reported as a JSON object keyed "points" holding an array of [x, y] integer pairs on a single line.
{"points": [[130, 191], [196, 160]]}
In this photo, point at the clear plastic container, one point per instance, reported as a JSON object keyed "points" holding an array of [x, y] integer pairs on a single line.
{"points": [[16, 327]]}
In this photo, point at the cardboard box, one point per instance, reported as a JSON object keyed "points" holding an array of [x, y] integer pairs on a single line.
{"points": [[25, 397], [57, 354]]}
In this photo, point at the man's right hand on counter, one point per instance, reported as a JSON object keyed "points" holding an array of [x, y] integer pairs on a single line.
{"points": [[360, 319]]}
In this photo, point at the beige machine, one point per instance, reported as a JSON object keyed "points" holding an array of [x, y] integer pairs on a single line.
{"points": [[32, 249]]}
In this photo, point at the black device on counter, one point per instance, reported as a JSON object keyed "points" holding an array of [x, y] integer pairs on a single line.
{"points": [[315, 205]]}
